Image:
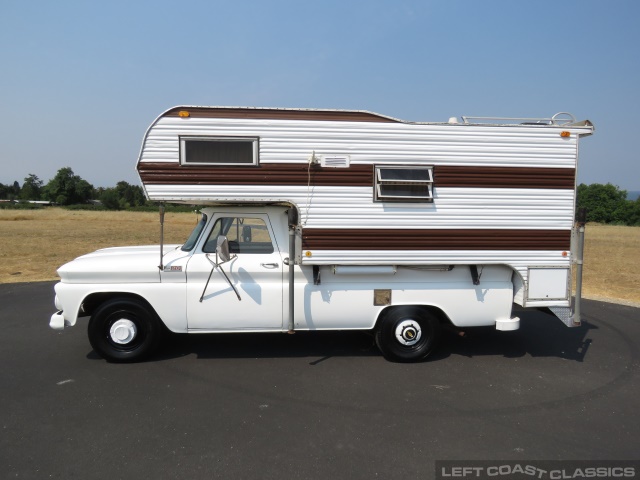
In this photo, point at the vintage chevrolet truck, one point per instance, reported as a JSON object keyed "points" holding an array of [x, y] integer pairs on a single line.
{"points": [[340, 220]]}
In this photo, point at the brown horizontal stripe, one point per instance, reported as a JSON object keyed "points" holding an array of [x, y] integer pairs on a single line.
{"points": [[432, 239], [276, 114], [264, 174], [504, 177], [355, 175]]}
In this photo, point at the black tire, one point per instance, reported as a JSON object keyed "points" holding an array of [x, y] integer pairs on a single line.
{"points": [[124, 316], [407, 334]]}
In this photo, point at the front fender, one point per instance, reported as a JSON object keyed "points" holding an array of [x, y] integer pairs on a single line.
{"points": [[167, 299]]}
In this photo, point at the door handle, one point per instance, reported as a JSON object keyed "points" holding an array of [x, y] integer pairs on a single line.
{"points": [[269, 265]]}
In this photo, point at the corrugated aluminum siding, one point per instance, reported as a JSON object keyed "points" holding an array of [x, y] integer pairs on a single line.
{"points": [[353, 207], [389, 143]]}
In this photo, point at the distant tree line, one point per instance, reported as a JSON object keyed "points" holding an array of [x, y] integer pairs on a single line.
{"points": [[67, 188], [604, 203]]}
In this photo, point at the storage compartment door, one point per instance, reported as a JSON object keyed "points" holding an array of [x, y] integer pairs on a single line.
{"points": [[549, 283]]}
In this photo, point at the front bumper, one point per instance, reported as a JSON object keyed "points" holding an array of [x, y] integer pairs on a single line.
{"points": [[57, 321]]}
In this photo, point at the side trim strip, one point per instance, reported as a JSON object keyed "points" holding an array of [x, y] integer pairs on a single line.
{"points": [[282, 114], [165, 173], [434, 239], [504, 177]]}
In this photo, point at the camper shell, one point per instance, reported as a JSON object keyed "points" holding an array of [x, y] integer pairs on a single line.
{"points": [[366, 222]]}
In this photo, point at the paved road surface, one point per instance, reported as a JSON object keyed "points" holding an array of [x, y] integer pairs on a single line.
{"points": [[309, 406]]}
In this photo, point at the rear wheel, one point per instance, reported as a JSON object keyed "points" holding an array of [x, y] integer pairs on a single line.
{"points": [[407, 334], [124, 330]]}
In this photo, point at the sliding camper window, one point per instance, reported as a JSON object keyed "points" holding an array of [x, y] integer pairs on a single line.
{"points": [[245, 235], [218, 151], [403, 184]]}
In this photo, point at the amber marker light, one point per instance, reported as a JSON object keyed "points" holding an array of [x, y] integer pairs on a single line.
{"points": [[307, 254], [564, 254], [565, 134], [184, 114]]}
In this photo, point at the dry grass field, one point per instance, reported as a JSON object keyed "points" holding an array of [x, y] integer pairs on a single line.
{"points": [[611, 260], [34, 243]]}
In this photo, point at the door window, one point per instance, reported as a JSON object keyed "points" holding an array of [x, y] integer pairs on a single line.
{"points": [[245, 235]]}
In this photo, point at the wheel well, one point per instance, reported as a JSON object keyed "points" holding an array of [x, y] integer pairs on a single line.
{"points": [[435, 311], [94, 300]]}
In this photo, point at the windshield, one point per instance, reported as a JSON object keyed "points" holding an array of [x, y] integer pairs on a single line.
{"points": [[193, 238]]}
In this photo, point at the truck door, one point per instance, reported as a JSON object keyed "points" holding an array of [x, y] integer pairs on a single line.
{"points": [[256, 270]]}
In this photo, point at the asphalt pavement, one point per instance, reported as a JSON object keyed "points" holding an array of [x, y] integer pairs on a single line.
{"points": [[312, 406]]}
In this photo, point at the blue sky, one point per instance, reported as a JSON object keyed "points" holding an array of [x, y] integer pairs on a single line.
{"points": [[81, 81]]}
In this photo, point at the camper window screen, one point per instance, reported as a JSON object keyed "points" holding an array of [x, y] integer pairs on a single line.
{"points": [[218, 151], [404, 184]]}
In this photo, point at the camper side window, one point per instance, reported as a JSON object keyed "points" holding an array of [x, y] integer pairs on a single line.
{"points": [[403, 184], [218, 151], [245, 235]]}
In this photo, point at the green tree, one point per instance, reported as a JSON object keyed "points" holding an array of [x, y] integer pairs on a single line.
{"points": [[31, 188], [66, 188], [634, 213], [122, 196], [604, 203], [132, 195], [110, 199], [14, 191]]}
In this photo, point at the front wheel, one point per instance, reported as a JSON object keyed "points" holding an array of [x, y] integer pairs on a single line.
{"points": [[407, 334], [124, 330]]}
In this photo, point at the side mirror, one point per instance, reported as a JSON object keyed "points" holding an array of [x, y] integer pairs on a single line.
{"points": [[222, 253], [222, 248]]}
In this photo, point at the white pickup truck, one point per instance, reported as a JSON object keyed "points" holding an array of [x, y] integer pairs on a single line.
{"points": [[339, 220], [230, 276]]}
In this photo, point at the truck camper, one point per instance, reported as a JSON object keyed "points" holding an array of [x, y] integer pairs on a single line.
{"points": [[341, 220]]}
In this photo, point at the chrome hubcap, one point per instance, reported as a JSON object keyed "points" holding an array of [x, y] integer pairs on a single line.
{"points": [[408, 332], [123, 331]]}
